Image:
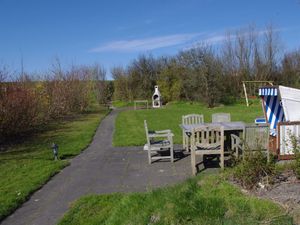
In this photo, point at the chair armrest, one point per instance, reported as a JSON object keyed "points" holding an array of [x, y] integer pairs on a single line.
{"points": [[236, 141], [161, 135], [162, 131]]}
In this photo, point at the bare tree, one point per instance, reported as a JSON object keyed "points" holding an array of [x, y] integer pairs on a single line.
{"points": [[142, 74], [228, 56], [121, 90], [3, 73], [104, 88], [245, 39], [271, 49], [290, 74]]}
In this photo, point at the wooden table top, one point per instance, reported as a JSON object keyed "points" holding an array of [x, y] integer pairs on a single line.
{"points": [[234, 125]]}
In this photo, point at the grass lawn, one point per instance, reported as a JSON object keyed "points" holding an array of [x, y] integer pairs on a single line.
{"points": [[205, 199], [130, 124], [120, 104], [26, 167]]}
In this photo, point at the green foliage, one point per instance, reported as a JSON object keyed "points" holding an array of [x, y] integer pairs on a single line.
{"points": [[297, 166], [105, 91], [26, 167], [254, 168], [130, 126], [121, 89], [228, 99], [297, 160], [169, 83], [206, 199], [295, 142], [142, 74], [137, 80], [203, 72]]}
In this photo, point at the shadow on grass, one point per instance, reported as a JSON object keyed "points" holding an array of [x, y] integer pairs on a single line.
{"points": [[67, 156]]}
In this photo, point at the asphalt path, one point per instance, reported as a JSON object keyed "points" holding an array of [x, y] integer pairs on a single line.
{"points": [[99, 169]]}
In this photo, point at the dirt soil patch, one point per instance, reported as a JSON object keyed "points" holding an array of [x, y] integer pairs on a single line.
{"points": [[286, 192]]}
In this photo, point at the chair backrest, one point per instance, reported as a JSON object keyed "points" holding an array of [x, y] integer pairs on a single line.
{"points": [[147, 131], [192, 119], [220, 117], [256, 137], [208, 136]]}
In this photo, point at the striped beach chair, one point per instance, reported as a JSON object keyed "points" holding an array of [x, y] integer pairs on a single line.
{"points": [[281, 108], [272, 107]]}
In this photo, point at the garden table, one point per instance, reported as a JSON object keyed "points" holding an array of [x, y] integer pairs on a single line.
{"points": [[228, 126]]}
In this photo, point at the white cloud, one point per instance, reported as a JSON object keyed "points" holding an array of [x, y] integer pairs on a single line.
{"points": [[147, 43], [215, 39], [188, 40], [218, 38]]}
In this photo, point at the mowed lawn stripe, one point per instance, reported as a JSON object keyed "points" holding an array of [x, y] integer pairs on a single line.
{"points": [[206, 199], [130, 126]]}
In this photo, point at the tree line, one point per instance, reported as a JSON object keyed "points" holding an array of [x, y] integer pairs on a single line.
{"points": [[208, 73], [28, 102], [204, 73]]}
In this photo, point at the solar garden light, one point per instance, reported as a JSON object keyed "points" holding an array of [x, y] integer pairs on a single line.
{"points": [[55, 150]]}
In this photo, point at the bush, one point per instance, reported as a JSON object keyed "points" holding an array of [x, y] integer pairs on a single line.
{"points": [[228, 100], [295, 144], [253, 169], [297, 166], [296, 149], [26, 104], [69, 91], [19, 110]]}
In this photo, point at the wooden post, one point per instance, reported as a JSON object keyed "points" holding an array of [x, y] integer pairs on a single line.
{"points": [[245, 91]]}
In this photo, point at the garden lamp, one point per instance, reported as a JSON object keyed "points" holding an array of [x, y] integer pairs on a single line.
{"points": [[55, 150]]}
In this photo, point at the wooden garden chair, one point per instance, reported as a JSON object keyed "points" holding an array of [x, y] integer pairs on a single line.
{"points": [[220, 117], [255, 137], [159, 144], [187, 120], [207, 140]]}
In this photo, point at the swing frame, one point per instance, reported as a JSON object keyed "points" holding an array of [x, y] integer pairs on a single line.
{"points": [[260, 82]]}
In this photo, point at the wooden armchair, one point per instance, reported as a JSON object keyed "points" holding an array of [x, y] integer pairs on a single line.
{"points": [[190, 119], [207, 140], [255, 137], [159, 144]]}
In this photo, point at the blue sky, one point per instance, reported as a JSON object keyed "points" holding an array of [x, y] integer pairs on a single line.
{"points": [[113, 33]]}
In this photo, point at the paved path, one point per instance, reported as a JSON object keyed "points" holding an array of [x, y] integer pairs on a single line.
{"points": [[101, 168]]}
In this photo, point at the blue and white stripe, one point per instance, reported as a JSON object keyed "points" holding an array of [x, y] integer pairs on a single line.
{"points": [[270, 91], [273, 132], [273, 107], [260, 120]]}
